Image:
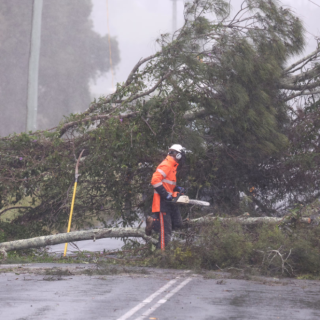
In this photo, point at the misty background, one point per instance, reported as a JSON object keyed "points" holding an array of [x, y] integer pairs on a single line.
{"points": [[75, 65]]}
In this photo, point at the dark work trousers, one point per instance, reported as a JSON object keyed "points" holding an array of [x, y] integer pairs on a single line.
{"points": [[165, 222]]}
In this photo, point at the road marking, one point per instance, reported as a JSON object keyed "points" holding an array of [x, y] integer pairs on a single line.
{"points": [[165, 299], [148, 300]]}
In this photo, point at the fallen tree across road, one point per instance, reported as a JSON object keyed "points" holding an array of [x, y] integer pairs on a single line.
{"points": [[92, 234], [226, 85], [252, 220]]}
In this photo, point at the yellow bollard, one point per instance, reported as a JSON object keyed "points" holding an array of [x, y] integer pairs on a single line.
{"points": [[72, 203]]}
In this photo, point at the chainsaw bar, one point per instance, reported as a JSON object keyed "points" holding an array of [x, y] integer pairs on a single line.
{"points": [[199, 203], [183, 199]]}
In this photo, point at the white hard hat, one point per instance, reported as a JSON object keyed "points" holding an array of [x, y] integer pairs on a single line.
{"points": [[177, 147]]}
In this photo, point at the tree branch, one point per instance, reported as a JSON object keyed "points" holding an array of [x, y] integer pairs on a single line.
{"points": [[75, 236], [12, 208], [69, 125], [301, 94], [148, 125], [308, 57], [291, 82], [140, 95], [136, 67], [292, 85]]}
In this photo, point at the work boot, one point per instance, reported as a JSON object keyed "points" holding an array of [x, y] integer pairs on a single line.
{"points": [[149, 225]]}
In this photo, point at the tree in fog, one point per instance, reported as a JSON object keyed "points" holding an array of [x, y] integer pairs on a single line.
{"points": [[71, 55], [222, 87]]}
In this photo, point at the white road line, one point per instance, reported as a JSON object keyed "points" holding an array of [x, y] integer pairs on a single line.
{"points": [[165, 299], [148, 300]]}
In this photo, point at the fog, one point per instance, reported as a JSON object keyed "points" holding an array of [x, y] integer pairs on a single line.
{"points": [[137, 23], [134, 26]]}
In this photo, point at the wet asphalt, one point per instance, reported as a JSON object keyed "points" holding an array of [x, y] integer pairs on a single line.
{"points": [[28, 294]]}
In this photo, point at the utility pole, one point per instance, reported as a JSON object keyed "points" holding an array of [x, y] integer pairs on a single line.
{"points": [[32, 103], [174, 16]]}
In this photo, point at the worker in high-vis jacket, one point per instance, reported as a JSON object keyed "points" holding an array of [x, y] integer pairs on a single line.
{"points": [[166, 215]]}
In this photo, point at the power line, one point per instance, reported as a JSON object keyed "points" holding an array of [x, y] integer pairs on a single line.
{"points": [[315, 3]]}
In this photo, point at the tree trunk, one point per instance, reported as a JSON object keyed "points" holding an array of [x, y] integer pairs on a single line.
{"points": [[248, 220], [74, 236]]}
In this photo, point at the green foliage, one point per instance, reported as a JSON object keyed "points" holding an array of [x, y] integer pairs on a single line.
{"points": [[224, 246], [175, 256], [37, 256], [261, 247], [10, 231], [3, 236], [265, 250]]}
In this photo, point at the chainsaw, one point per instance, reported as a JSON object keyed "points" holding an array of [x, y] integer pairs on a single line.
{"points": [[183, 199]]}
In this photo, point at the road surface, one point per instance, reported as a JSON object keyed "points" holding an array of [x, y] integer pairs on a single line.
{"points": [[61, 292]]}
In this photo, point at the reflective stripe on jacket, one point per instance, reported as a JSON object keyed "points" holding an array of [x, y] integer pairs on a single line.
{"points": [[164, 175]]}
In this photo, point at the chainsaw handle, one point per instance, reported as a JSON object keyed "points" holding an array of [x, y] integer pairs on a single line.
{"points": [[175, 199]]}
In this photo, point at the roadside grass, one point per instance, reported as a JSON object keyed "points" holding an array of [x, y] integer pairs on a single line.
{"points": [[33, 256], [42, 256]]}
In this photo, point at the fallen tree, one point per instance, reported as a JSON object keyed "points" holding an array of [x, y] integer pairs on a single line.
{"points": [[221, 86], [92, 234], [253, 220]]}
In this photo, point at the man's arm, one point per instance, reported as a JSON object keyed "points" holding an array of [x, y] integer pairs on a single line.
{"points": [[156, 182]]}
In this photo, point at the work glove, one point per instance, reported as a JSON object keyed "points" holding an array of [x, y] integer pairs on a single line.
{"points": [[180, 189], [163, 193]]}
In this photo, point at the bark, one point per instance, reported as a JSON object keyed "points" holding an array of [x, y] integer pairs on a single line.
{"points": [[250, 221], [74, 236]]}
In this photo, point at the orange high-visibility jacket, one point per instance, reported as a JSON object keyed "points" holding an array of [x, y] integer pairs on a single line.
{"points": [[164, 175]]}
